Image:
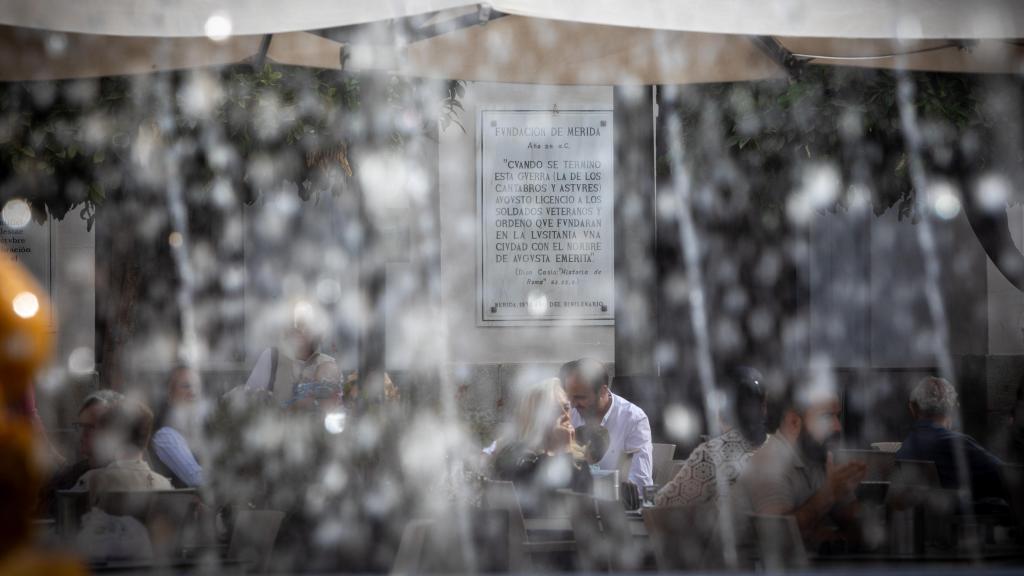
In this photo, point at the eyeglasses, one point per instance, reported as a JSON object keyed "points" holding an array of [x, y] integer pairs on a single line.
{"points": [[81, 427]]}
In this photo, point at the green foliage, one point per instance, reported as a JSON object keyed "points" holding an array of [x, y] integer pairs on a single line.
{"points": [[753, 140], [58, 133], [451, 106], [74, 144]]}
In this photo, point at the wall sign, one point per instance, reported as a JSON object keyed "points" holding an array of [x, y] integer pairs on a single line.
{"points": [[544, 206], [31, 245]]}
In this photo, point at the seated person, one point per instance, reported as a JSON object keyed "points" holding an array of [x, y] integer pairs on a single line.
{"points": [[933, 402], [298, 359], [723, 458], [122, 436], [588, 387], [171, 455], [538, 450], [792, 472], [93, 408]]}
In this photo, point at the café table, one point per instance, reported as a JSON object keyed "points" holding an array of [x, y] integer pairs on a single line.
{"points": [[223, 566], [1004, 557], [563, 525]]}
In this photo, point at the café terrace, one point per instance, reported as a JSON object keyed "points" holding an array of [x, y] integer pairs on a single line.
{"points": [[511, 287]]}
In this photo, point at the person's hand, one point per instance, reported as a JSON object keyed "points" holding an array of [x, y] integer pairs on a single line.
{"points": [[564, 433], [842, 480]]}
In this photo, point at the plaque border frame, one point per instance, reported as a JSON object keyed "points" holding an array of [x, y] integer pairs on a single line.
{"points": [[479, 275]]}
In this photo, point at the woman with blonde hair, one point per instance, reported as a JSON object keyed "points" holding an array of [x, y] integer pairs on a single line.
{"points": [[538, 450]]}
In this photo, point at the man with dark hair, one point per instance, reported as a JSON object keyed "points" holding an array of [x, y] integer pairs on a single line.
{"points": [[587, 384], [122, 435], [933, 403], [792, 472]]}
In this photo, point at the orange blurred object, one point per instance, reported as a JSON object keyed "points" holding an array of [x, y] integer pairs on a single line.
{"points": [[25, 339], [25, 347]]}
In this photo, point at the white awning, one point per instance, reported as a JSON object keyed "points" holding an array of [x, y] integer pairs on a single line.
{"points": [[524, 41], [866, 19], [869, 19], [190, 18]]}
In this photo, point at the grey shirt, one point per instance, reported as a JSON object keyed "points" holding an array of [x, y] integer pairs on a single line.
{"points": [[777, 480]]}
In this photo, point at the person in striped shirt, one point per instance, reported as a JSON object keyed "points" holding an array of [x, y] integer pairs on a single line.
{"points": [[178, 420]]}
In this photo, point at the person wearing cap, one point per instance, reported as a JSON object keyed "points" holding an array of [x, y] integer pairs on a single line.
{"points": [[718, 462]]}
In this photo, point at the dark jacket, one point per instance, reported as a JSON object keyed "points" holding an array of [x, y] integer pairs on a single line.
{"points": [[929, 441], [537, 475], [64, 479]]}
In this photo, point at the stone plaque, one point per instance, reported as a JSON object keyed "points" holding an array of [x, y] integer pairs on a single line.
{"points": [[544, 205]]}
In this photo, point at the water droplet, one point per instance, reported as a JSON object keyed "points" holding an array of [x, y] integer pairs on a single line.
{"points": [[681, 423], [334, 422], [81, 361], [328, 291], [26, 304], [944, 201], [992, 192], [16, 213], [537, 303], [218, 27]]}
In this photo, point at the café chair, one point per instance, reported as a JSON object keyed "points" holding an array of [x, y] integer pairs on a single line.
{"points": [[606, 484], [873, 492], [629, 553], [932, 512], [592, 552], [501, 495], [409, 558], [684, 537], [916, 473], [674, 467], [456, 541], [166, 514], [71, 506], [604, 541], [661, 456], [253, 537], [778, 543], [1013, 479], [910, 482]]}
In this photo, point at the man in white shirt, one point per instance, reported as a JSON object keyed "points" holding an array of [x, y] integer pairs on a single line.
{"points": [[587, 384]]}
